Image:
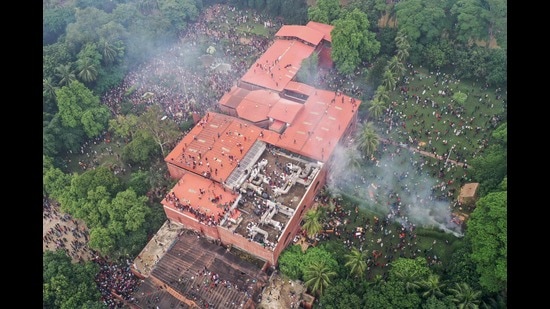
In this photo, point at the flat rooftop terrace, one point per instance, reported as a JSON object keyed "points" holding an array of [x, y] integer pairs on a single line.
{"points": [[270, 192]]}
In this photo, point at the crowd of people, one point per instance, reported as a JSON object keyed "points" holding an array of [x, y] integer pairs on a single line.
{"points": [[181, 88], [384, 240]]}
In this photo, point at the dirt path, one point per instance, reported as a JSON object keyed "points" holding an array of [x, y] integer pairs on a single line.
{"points": [[422, 152]]}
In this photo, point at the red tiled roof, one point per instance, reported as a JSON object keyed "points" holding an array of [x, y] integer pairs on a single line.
{"points": [[188, 188], [213, 141], [234, 97], [323, 28], [278, 65], [285, 110], [300, 88], [318, 127], [305, 33], [276, 126], [257, 104]]}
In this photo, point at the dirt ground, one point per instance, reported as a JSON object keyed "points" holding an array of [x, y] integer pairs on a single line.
{"points": [[283, 294], [64, 234]]}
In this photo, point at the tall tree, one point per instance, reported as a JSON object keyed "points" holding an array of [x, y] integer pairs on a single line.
{"points": [[376, 108], [392, 294], [422, 21], [465, 297], [68, 285], [87, 71], [341, 294], [488, 230], [357, 262], [396, 67], [65, 74], [432, 286], [324, 11], [318, 277], [85, 29], [163, 131], [410, 272], [403, 46], [368, 140], [311, 225], [389, 80], [352, 41], [80, 108]]}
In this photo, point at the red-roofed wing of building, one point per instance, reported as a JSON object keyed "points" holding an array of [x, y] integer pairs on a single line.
{"points": [[304, 33]]}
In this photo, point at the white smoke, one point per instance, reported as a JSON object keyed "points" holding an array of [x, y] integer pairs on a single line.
{"points": [[396, 185]]}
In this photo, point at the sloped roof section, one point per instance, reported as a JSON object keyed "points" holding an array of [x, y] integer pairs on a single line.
{"points": [[323, 28], [310, 35], [234, 97], [285, 111], [214, 146], [318, 127], [203, 195], [300, 88], [278, 65], [257, 104]]}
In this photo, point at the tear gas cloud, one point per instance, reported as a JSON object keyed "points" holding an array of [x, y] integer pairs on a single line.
{"points": [[397, 186]]}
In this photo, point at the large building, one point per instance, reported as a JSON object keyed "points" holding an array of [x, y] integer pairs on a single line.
{"points": [[246, 176]]}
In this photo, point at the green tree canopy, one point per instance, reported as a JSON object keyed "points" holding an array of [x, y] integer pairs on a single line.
{"points": [[392, 294], [165, 132], [490, 168], [180, 12], [341, 294], [356, 262], [464, 296], [312, 225], [352, 41], [79, 107], [368, 140], [488, 230], [67, 285], [324, 11], [422, 21], [318, 277], [409, 271], [85, 29]]}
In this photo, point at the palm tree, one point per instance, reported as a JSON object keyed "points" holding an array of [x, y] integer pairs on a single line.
{"points": [[411, 282], [109, 51], [357, 262], [317, 276], [48, 88], [376, 108], [312, 225], [66, 74], [464, 296], [87, 71], [354, 160], [397, 68], [432, 286], [401, 40], [381, 94], [377, 281], [389, 80], [403, 54], [368, 140]]}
